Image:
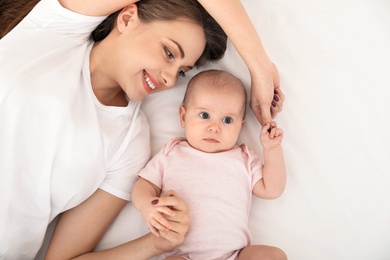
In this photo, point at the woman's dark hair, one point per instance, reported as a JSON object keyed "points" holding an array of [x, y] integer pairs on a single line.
{"points": [[13, 11], [168, 10]]}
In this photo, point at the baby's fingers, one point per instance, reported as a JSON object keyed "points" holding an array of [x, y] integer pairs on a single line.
{"points": [[278, 132], [266, 128], [159, 221], [272, 132], [164, 207]]}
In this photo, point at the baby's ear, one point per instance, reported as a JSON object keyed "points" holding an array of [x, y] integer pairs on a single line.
{"points": [[182, 112], [128, 16]]}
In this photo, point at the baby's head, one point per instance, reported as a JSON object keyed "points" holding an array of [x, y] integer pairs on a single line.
{"points": [[213, 110]]}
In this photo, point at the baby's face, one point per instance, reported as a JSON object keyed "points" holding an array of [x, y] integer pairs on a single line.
{"points": [[212, 120]]}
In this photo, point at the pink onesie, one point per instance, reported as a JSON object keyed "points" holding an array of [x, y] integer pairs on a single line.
{"points": [[217, 188]]}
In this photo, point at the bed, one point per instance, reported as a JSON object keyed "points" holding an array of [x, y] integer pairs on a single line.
{"points": [[333, 58]]}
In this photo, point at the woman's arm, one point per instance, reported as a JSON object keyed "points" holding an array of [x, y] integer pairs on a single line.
{"points": [[79, 230], [149, 245], [232, 17]]}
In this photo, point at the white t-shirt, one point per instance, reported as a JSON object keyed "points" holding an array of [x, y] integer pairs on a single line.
{"points": [[217, 188], [58, 144]]}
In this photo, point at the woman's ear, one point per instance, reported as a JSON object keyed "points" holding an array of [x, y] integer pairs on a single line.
{"points": [[182, 112], [129, 14]]}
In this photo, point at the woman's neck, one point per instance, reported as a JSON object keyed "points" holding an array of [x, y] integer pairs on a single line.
{"points": [[106, 90]]}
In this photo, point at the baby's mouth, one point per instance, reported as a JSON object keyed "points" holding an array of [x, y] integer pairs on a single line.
{"points": [[211, 140]]}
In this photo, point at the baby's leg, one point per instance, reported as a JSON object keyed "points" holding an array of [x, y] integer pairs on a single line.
{"points": [[261, 252], [175, 258]]}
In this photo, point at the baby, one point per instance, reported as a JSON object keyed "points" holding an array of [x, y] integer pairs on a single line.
{"points": [[212, 174]]}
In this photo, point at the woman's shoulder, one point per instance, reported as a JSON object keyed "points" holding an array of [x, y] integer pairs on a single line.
{"points": [[52, 15], [89, 7]]}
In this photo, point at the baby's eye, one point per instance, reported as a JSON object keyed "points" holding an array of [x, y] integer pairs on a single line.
{"points": [[169, 53], [204, 115], [181, 73], [227, 120]]}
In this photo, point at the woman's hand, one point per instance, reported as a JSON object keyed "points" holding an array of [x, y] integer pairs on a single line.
{"points": [[179, 222], [156, 216], [266, 95], [234, 20]]}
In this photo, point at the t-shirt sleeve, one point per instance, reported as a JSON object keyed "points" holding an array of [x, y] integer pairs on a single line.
{"points": [[121, 176], [153, 171], [53, 17], [254, 164]]}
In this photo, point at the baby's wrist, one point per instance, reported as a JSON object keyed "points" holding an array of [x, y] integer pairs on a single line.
{"points": [[274, 148]]}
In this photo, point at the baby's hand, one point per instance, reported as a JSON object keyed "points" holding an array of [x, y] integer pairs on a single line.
{"points": [[271, 136], [155, 217]]}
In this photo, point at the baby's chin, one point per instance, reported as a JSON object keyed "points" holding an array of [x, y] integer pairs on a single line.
{"points": [[211, 147]]}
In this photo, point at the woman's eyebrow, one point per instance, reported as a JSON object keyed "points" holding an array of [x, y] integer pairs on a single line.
{"points": [[181, 51], [182, 55]]}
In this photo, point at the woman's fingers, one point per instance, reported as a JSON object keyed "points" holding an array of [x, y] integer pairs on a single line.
{"points": [[153, 230], [171, 200], [179, 222], [176, 234], [277, 102]]}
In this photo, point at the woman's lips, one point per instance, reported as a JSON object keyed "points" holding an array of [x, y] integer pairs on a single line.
{"points": [[150, 82]]}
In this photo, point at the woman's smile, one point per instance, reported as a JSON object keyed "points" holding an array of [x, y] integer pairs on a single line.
{"points": [[151, 83]]}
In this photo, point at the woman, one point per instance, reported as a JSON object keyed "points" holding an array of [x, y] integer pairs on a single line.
{"points": [[231, 15], [72, 137]]}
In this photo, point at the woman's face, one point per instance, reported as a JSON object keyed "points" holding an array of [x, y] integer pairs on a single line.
{"points": [[149, 57]]}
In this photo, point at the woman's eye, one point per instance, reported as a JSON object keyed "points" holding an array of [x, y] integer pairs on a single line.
{"points": [[181, 73], [204, 115], [227, 120], [169, 54]]}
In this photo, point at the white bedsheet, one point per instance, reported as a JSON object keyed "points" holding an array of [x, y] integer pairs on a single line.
{"points": [[333, 58]]}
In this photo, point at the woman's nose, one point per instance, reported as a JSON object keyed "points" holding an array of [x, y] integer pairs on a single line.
{"points": [[169, 77]]}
